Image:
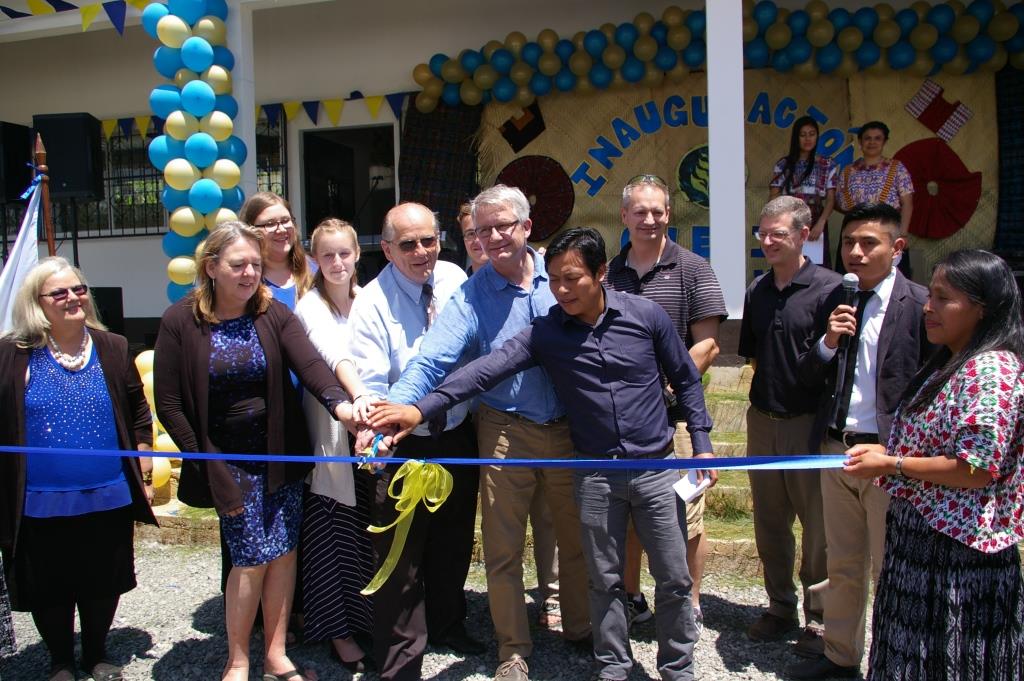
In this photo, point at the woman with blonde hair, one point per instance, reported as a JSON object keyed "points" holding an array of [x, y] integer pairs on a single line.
{"points": [[65, 382], [286, 270], [223, 357]]}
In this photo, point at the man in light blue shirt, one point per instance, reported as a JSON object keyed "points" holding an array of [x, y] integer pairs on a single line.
{"points": [[521, 417]]}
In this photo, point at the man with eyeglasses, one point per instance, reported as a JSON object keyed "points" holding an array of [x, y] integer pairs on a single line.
{"points": [[519, 418], [653, 266], [425, 596], [779, 327]]}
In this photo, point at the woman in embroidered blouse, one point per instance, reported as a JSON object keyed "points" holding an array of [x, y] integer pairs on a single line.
{"points": [[67, 522], [950, 599], [286, 270], [807, 176]]}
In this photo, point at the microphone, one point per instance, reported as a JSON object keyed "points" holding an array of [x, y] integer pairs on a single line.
{"points": [[851, 284]]}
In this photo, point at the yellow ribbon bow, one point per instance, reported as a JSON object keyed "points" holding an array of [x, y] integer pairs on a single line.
{"points": [[421, 481]]}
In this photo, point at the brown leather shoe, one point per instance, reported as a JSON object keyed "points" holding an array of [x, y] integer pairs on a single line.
{"points": [[513, 669], [811, 642], [769, 627], [820, 668]]}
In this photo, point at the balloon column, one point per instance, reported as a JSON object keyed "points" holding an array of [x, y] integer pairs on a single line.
{"points": [[162, 442], [197, 152], [953, 37]]}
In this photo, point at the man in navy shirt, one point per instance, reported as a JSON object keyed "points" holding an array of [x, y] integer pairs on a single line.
{"points": [[605, 352]]}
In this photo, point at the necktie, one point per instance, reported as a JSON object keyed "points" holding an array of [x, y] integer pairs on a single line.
{"points": [[429, 305], [851, 360]]}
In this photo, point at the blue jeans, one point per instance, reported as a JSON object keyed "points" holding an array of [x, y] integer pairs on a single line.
{"points": [[606, 500]]}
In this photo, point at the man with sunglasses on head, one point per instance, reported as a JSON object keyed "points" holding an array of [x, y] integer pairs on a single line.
{"points": [[655, 267], [425, 596], [519, 418]]}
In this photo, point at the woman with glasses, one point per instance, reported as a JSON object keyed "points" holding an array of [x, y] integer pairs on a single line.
{"points": [[66, 521], [287, 272], [223, 357]]}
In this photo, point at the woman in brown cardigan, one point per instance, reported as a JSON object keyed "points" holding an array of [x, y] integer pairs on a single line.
{"points": [[66, 382], [222, 385]]}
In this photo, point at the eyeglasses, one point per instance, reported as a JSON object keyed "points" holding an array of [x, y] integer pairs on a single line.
{"points": [[504, 229], [59, 294], [647, 179], [409, 245], [469, 235], [777, 235], [280, 223]]}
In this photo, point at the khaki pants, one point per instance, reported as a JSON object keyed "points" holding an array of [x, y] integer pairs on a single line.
{"points": [[506, 494], [855, 533], [781, 496]]}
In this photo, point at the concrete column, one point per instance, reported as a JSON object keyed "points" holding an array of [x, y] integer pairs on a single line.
{"points": [[240, 42]]}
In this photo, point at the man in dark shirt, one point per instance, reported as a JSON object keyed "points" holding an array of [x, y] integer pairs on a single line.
{"points": [[605, 352], [779, 313]]}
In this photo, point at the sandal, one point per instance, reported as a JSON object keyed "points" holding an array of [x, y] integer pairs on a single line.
{"points": [[104, 671], [293, 674], [550, 615]]}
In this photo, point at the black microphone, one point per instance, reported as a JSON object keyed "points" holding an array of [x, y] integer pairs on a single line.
{"points": [[851, 284]]}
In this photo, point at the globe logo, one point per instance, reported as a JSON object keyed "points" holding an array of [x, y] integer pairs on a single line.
{"points": [[693, 175]]}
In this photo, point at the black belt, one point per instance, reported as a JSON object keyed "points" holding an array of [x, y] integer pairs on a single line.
{"points": [[851, 439], [777, 415]]}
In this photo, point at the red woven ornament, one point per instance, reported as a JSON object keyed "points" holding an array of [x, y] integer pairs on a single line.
{"points": [[946, 193], [548, 188]]}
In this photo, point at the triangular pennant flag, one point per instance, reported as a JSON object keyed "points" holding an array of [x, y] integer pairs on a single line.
{"points": [[396, 101], [138, 4], [127, 125], [61, 6], [40, 7], [115, 10], [89, 13], [333, 108], [142, 125], [158, 125], [355, 94], [259, 112], [109, 126], [13, 13], [312, 110], [291, 109], [373, 103], [273, 112]]}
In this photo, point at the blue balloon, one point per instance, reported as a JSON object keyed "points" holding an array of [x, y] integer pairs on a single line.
{"points": [[167, 61], [504, 90], [197, 54], [626, 35], [1018, 11], [594, 42], [531, 53], [901, 55], [981, 49], [222, 57], [486, 97], [227, 104], [471, 60], [217, 8], [666, 59], [189, 10], [941, 17], [601, 76], [764, 14], [198, 98], [660, 32], [564, 49], [164, 99], [233, 199], [829, 58], [798, 22], [176, 292], [502, 61], [696, 21], [906, 19], [174, 198], [153, 13], [781, 62], [233, 149], [633, 70], [756, 53], [867, 54], [982, 10], [175, 244], [565, 80], [540, 84], [799, 50], [1016, 43], [840, 18], [163, 149], [694, 53], [450, 94], [436, 62], [201, 149], [866, 18], [205, 196], [944, 49]]}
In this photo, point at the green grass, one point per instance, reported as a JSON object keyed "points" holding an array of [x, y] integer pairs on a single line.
{"points": [[197, 513], [728, 438]]}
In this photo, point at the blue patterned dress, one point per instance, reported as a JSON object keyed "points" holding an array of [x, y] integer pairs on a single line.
{"points": [[268, 527]]}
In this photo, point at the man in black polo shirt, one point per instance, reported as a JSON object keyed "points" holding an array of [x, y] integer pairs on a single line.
{"points": [[778, 329], [684, 285]]}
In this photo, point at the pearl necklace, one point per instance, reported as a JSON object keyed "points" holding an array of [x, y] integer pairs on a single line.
{"points": [[70, 362]]}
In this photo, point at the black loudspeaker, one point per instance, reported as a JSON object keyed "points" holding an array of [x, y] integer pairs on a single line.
{"points": [[73, 155], [15, 154], [109, 307]]}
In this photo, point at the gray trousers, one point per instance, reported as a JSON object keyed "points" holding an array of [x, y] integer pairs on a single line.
{"points": [[607, 499]]}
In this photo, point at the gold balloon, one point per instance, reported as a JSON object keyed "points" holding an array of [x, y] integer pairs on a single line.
{"points": [[998, 60], [644, 22], [524, 96], [922, 8], [956, 6], [469, 93], [181, 125], [514, 41], [645, 48], [880, 67], [679, 36], [211, 29], [847, 67], [217, 125], [520, 73], [849, 39], [672, 16], [884, 11], [965, 29], [491, 46], [144, 361], [549, 64], [224, 172], [186, 221], [182, 77], [218, 216], [1003, 26], [452, 71], [923, 37], [180, 270], [613, 56], [653, 76], [820, 32], [421, 74], [678, 73], [161, 471], [817, 9], [172, 31], [778, 36], [584, 86], [424, 103], [180, 174], [807, 69], [748, 7], [484, 78], [923, 65], [958, 65], [749, 31], [147, 389], [547, 39], [219, 78], [577, 39], [1017, 60], [609, 31], [618, 82], [164, 443], [580, 63], [887, 33], [435, 86]]}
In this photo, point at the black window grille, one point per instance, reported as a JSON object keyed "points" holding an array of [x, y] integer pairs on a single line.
{"points": [[272, 156]]}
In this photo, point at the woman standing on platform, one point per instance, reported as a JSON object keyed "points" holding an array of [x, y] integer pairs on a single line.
{"points": [[809, 177], [67, 522], [950, 599], [222, 365], [286, 270]]}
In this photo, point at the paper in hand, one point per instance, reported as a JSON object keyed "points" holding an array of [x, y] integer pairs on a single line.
{"points": [[689, 489]]}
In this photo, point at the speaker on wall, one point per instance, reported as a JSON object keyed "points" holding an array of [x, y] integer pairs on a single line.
{"points": [[15, 154], [73, 155]]}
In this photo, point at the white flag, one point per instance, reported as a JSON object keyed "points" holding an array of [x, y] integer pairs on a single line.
{"points": [[22, 258]]}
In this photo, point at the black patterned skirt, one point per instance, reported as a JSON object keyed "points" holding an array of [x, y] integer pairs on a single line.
{"points": [[945, 611]]}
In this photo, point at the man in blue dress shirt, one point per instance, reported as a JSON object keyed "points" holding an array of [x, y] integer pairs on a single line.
{"points": [[605, 352]]}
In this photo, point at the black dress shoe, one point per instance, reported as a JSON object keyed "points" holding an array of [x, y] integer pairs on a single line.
{"points": [[459, 641], [820, 667]]}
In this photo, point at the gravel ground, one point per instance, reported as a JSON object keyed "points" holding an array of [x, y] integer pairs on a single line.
{"points": [[170, 628]]}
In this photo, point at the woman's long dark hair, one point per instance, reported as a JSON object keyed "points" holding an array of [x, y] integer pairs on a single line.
{"points": [[793, 157], [987, 280]]}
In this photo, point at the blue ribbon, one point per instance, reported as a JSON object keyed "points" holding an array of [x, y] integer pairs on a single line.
{"points": [[795, 462], [32, 186]]}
